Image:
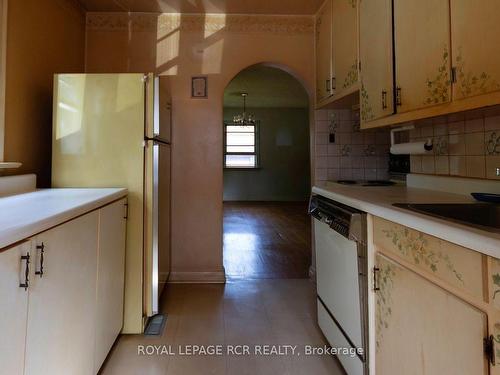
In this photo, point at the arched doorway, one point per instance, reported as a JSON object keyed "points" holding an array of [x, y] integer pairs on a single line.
{"points": [[266, 175]]}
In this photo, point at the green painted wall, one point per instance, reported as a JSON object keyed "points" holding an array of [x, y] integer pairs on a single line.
{"points": [[284, 158]]}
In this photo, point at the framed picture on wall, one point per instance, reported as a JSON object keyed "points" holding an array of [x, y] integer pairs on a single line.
{"points": [[199, 87]]}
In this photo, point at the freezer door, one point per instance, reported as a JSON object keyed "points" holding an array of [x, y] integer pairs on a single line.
{"points": [[157, 223], [161, 128], [98, 141]]}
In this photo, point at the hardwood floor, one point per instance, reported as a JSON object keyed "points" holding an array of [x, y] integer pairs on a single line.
{"points": [[241, 312], [266, 240]]}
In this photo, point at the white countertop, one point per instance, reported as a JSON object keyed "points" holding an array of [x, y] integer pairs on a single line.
{"points": [[24, 215], [378, 201]]}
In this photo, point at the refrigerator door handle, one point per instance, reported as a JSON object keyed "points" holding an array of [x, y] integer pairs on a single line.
{"points": [[157, 140], [155, 250]]}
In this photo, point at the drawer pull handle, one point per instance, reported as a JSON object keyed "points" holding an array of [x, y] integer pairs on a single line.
{"points": [[26, 283], [42, 251]]}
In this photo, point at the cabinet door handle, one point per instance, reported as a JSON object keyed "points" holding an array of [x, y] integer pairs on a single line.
{"points": [[454, 74], [334, 83], [42, 251], [26, 283], [384, 99], [328, 89], [398, 96], [376, 287]]}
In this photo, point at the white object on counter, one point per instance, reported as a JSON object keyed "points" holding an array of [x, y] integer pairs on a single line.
{"points": [[10, 185], [24, 215]]}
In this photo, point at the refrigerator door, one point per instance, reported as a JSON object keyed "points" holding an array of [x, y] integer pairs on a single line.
{"points": [[157, 223], [161, 127], [98, 141]]}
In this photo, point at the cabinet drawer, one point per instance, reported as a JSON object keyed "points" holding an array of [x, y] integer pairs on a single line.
{"points": [[457, 266]]}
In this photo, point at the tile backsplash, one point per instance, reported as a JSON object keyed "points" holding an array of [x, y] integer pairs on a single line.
{"points": [[342, 151], [465, 144]]}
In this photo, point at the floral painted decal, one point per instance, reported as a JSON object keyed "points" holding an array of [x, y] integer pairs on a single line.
{"points": [[366, 109], [352, 76], [441, 146], [384, 300], [495, 278], [438, 88], [493, 144], [346, 150], [414, 245], [471, 83], [496, 339]]}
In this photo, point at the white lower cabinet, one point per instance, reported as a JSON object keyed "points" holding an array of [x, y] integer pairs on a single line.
{"points": [[67, 319], [62, 302], [13, 308], [110, 280]]}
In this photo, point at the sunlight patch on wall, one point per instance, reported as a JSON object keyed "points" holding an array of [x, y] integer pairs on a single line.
{"points": [[167, 45], [214, 23]]}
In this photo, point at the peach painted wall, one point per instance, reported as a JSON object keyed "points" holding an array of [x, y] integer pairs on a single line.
{"points": [[181, 47], [43, 38]]}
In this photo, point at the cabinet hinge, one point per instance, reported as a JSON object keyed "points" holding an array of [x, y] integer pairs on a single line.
{"points": [[125, 216], [454, 74], [376, 286], [489, 349]]}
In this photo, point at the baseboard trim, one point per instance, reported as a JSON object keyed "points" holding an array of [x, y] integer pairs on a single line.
{"points": [[218, 277]]}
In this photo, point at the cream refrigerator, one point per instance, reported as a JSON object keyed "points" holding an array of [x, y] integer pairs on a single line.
{"points": [[114, 130]]}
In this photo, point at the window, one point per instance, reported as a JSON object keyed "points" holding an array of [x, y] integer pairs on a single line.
{"points": [[241, 148]]}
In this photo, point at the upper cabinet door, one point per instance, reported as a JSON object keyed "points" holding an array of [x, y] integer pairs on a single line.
{"points": [[422, 49], [345, 46], [475, 29], [376, 98], [324, 52], [427, 330]]}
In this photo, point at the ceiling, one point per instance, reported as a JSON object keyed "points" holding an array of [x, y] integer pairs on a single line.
{"points": [[295, 7], [267, 87]]}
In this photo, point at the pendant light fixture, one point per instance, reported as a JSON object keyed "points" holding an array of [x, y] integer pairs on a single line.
{"points": [[243, 119]]}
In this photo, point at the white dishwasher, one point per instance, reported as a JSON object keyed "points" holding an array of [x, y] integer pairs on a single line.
{"points": [[342, 284]]}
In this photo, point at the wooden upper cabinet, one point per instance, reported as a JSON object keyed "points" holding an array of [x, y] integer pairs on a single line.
{"points": [[423, 329], [375, 45], [475, 30], [323, 36], [422, 53], [345, 46]]}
